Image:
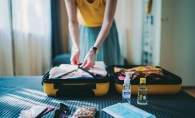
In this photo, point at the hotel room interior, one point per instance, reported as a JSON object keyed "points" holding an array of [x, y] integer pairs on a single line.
{"points": [[34, 36]]}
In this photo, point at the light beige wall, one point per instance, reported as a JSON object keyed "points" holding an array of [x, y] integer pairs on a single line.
{"points": [[64, 26], [129, 22], [177, 39], [123, 17]]}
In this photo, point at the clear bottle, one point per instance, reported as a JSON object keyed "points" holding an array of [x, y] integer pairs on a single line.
{"points": [[142, 97], [126, 91]]}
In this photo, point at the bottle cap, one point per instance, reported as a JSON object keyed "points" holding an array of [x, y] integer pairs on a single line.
{"points": [[128, 77], [142, 80]]}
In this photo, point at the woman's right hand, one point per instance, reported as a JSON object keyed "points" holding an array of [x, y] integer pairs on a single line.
{"points": [[75, 56]]}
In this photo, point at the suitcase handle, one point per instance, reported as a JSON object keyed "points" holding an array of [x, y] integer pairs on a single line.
{"points": [[74, 93], [75, 87]]}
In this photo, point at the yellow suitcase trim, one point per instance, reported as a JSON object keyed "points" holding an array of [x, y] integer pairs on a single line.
{"points": [[152, 89], [101, 88]]}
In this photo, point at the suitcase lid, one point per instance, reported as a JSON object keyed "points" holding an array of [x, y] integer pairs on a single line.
{"points": [[164, 80]]}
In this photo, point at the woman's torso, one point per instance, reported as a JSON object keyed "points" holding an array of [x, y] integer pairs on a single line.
{"points": [[90, 12]]}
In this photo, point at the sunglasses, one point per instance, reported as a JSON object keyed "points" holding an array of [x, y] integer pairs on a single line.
{"points": [[62, 112]]}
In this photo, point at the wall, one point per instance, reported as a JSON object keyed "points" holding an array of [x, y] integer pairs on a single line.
{"points": [[177, 39], [157, 31], [129, 18]]}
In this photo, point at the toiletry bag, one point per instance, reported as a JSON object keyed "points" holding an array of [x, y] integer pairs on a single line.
{"points": [[158, 80]]}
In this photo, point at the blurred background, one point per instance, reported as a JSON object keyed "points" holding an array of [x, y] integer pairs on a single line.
{"points": [[34, 35]]}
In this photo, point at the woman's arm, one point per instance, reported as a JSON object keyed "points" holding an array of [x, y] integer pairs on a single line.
{"points": [[73, 30], [107, 23]]}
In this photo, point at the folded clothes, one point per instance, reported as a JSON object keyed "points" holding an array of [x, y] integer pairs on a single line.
{"points": [[141, 69], [98, 69], [153, 72]]}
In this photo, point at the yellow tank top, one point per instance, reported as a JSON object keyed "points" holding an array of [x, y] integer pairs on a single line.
{"points": [[90, 14]]}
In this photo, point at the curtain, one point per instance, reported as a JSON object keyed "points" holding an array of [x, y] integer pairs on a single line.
{"points": [[6, 55], [56, 28], [31, 37]]}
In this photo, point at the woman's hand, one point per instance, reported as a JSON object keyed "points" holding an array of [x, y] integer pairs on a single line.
{"points": [[89, 60], [75, 56]]}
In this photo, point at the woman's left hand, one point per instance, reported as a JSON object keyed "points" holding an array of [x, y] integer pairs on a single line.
{"points": [[89, 60]]}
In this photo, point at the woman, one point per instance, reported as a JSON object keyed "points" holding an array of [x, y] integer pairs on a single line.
{"points": [[95, 37]]}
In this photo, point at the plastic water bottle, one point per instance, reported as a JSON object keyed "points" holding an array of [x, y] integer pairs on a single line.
{"points": [[126, 91], [142, 97]]}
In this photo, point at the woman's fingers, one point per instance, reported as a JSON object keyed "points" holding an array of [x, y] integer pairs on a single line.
{"points": [[88, 66], [72, 61], [83, 63], [77, 61], [89, 60], [75, 56]]}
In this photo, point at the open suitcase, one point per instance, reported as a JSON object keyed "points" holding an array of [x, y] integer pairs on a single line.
{"points": [[83, 86], [169, 84]]}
